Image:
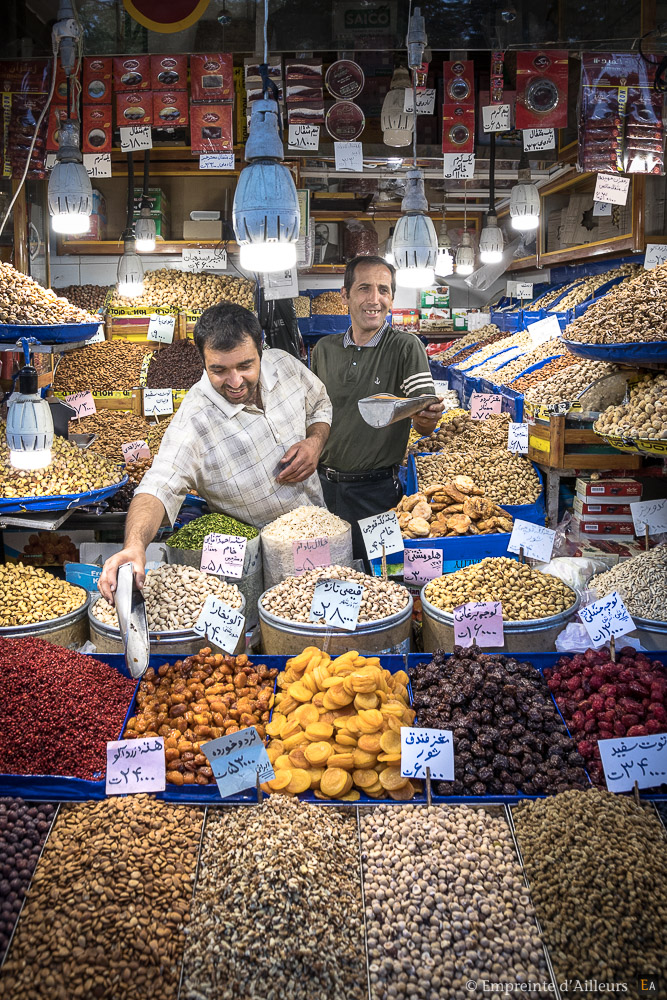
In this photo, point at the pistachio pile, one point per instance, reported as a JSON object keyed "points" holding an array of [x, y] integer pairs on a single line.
{"points": [[641, 582], [566, 385], [292, 598], [110, 366], [525, 593], [451, 509], [328, 304], [112, 428], [643, 417], [632, 312], [302, 306], [24, 302], [29, 595], [185, 290], [505, 478], [71, 471], [191, 535]]}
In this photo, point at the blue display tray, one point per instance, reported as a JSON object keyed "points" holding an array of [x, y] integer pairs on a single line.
{"points": [[63, 333], [23, 505], [652, 352]]}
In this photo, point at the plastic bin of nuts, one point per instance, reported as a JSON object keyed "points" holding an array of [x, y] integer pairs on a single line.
{"points": [[328, 314]]}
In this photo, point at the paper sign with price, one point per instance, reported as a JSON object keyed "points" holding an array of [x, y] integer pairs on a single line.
{"points": [[337, 603], [612, 188], [237, 760], [627, 759], [309, 553], [517, 438], [421, 565], [427, 748], [280, 284], [220, 624], [83, 403], [133, 450], [458, 166], [536, 541], [98, 337], [535, 139], [135, 766], [656, 254], [481, 621], [606, 617], [97, 164], [483, 404], [135, 137], [161, 328], [379, 530], [543, 330], [158, 402], [216, 161], [223, 555], [496, 118], [520, 289], [201, 259], [425, 101], [478, 320], [349, 156], [305, 137], [651, 514]]}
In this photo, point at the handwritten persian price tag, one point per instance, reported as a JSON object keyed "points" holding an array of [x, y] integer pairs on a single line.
{"points": [[349, 156], [627, 759], [517, 438], [135, 766], [425, 101], [606, 617], [309, 553], [421, 565], [543, 330], [483, 404], [158, 402], [306, 137], [651, 514], [161, 328], [133, 450], [496, 118], [83, 403], [336, 602], [97, 164], [458, 166], [481, 621], [216, 161], [236, 761], [220, 624], [422, 748], [379, 530], [656, 253], [135, 137], [612, 188], [535, 139], [223, 555], [536, 541]]}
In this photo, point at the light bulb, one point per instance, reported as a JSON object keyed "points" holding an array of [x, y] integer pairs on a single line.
{"points": [[415, 277], [130, 274], [465, 255], [524, 223], [444, 264], [70, 193], [29, 424], [491, 242], [524, 203], [29, 460], [389, 257], [414, 243], [144, 232], [267, 257], [395, 121]]}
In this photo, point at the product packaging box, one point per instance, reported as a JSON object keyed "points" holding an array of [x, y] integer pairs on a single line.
{"points": [[96, 130], [134, 108], [211, 77], [159, 203], [438, 296], [610, 511], [97, 75], [204, 230], [405, 319], [608, 488], [211, 128], [606, 528], [170, 108], [169, 72], [131, 73]]}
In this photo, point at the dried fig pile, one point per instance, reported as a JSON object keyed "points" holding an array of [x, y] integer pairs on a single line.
{"points": [[455, 507]]}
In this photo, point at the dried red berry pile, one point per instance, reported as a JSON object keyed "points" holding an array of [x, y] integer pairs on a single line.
{"points": [[57, 709], [601, 699]]}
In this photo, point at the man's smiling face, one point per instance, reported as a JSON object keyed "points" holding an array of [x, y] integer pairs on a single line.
{"points": [[370, 298]]}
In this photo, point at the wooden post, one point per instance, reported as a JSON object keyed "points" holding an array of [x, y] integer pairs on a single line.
{"points": [[557, 442], [384, 563], [612, 649], [646, 537], [21, 253], [428, 787]]}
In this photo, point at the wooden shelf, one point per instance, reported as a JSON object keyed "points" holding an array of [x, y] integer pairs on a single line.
{"points": [[111, 247], [572, 255]]}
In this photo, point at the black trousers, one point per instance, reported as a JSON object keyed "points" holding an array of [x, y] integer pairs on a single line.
{"points": [[353, 501]]}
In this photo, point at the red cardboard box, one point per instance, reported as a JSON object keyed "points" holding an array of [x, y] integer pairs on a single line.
{"points": [[608, 488], [613, 528], [134, 109], [131, 73], [211, 128], [96, 133], [212, 77], [541, 89], [97, 73], [170, 109], [598, 511], [458, 129], [169, 72]]}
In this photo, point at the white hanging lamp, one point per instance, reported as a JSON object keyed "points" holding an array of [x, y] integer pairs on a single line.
{"points": [[396, 122], [465, 255], [524, 200], [491, 242], [444, 264], [130, 272], [70, 193]]}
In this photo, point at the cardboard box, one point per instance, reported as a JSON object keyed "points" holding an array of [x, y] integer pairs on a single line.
{"points": [[159, 203], [205, 230], [169, 72], [134, 108], [96, 130], [131, 73], [211, 128], [406, 320], [435, 296], [44, 548], [608, 488], [97, 75], [610, 511], [211, 77], [304, 69], [606, 528], [435, 313], [170, 108]]}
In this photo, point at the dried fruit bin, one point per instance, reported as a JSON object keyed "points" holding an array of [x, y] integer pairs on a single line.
{"points": [[648, 352], [62, 333]]}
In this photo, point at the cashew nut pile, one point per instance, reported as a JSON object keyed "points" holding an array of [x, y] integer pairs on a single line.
{"points": [[632, 312], [644, 417], [449, 509], [23, 301]]}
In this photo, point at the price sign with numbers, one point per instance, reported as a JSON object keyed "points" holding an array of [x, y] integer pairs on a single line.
{"points": [[223, 555], [158, 402], [97, 164], [483, 404], [481, 621], [421, 564], [536, 541], [220, 624], [458, 166], [83, 403], [204, 259], [517, 438], [520, 289], [535, 139], [627, 759], [337, 603], [135, 137], [379, 530], [612, 188], [349, 156], [161, 328], [425, 101], [427, 748], [134, 450], [135, 766], [305, 137], [216, 161], [309, 553], [651, 514], [496, 118], [656, 254], [606, 617], [237, 760]]}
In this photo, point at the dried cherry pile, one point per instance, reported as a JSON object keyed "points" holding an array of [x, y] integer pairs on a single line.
{"points": [[601, 699], [508, 736], [23, 829]]}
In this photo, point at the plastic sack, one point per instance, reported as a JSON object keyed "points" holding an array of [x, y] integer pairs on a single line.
{"points": [[359, 239], [572, 570], [575, 639], [278, 554]]}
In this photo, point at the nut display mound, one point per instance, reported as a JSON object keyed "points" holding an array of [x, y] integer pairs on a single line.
{"points": [[302, 306], [291, 599], [565, 386], [174, 597], [526, 594], [184, 290], [112, 429], [473, 339], [88, 297], [446, 417], [58, 709], [29, 594], [304, 522], [641, 581], [513, 342], [110, 366], [156, 433], [136, 470], [24, 302], [198, 699], [586, 288], [176, 366], [449, 510], [601, 699], [192, 535], [508, 735], [70, 471], [632, 312], [328, 304], [643, 417], [551, 368], [597, 862], [336, 728], [532, 357], [506, 478], [459, 432]]}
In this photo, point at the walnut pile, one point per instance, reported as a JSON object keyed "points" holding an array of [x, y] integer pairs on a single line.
{"points": [[455, 507]]}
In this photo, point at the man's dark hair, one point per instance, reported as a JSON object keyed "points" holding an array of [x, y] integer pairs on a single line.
{"points": [[226, 326], [348, 280]]}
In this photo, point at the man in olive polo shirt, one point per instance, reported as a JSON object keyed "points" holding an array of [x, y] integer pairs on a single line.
{"points": [[359, 465]]}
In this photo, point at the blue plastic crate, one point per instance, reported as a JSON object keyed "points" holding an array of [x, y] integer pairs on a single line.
{"points": [[60, 333]]}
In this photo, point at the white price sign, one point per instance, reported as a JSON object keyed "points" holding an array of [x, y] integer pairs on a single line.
{"points": [[651, 514], [201, 259], [612, 188], [136, 766], [536, 139], [281, 284], [135, 137], [520, 289], [349, 156], [161, 328], [304, 137], [458, 166], [337, 603], [216, 161], [238, 760], [477, 320], [606, 617], [97, 164], [158, 402], [427, 748], [627, 759], [656, 254], [379, 530], [220, 624], [517, 438], [543, 330], [536, 541], [98, 337], [496, 118], [425, 101]]}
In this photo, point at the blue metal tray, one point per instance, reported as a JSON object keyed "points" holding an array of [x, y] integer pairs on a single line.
{"points": [[22, 505], [651, 352], [61, 333]]}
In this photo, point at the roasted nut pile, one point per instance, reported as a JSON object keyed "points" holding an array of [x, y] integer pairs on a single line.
{"points": [[23, 830], [58, 709], [29, 594], [525, 593], [505, 478], [196, 700], [643, 417], [302, 306], [446, 417], [192, 535], [120, 502], [511, 342], [542, 374], [547, 350], [184, 290], [632, 312], [328, 304], [291, 599], [587, 288], [88, 297], [110, 366], [304, 522], [298, 864], [461, 433], [104, 917], [175, 366], [23, 301], [565, 386], [457, 507], [608, 873], [112, 428], [508, 736], [71, 471], [457, 912], [601, 699], [174, 597], [641, 582], [156, 433], [336, 728], [476, 337]]}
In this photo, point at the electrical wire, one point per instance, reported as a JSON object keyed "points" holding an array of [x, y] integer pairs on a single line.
{"points": [[130, 197], [266, 23], [492, 174]]}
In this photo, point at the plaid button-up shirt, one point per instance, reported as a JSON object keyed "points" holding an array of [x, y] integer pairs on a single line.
{"points": [[230, 453]]}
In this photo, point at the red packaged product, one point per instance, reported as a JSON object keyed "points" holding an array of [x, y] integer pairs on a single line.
{"points": [[131, 73], [171, 109], [96, 133], [541, 89], [211, 128], [212, 77], [458, 129], [134, 109], [169, 72], [459, 80], [97, 73]]}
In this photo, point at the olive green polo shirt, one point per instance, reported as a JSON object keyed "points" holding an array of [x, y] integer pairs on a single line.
{"points": [[392, 362]]}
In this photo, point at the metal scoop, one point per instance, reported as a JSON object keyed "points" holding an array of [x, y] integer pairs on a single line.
{"points": [[131, 611], [382, 410]]}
